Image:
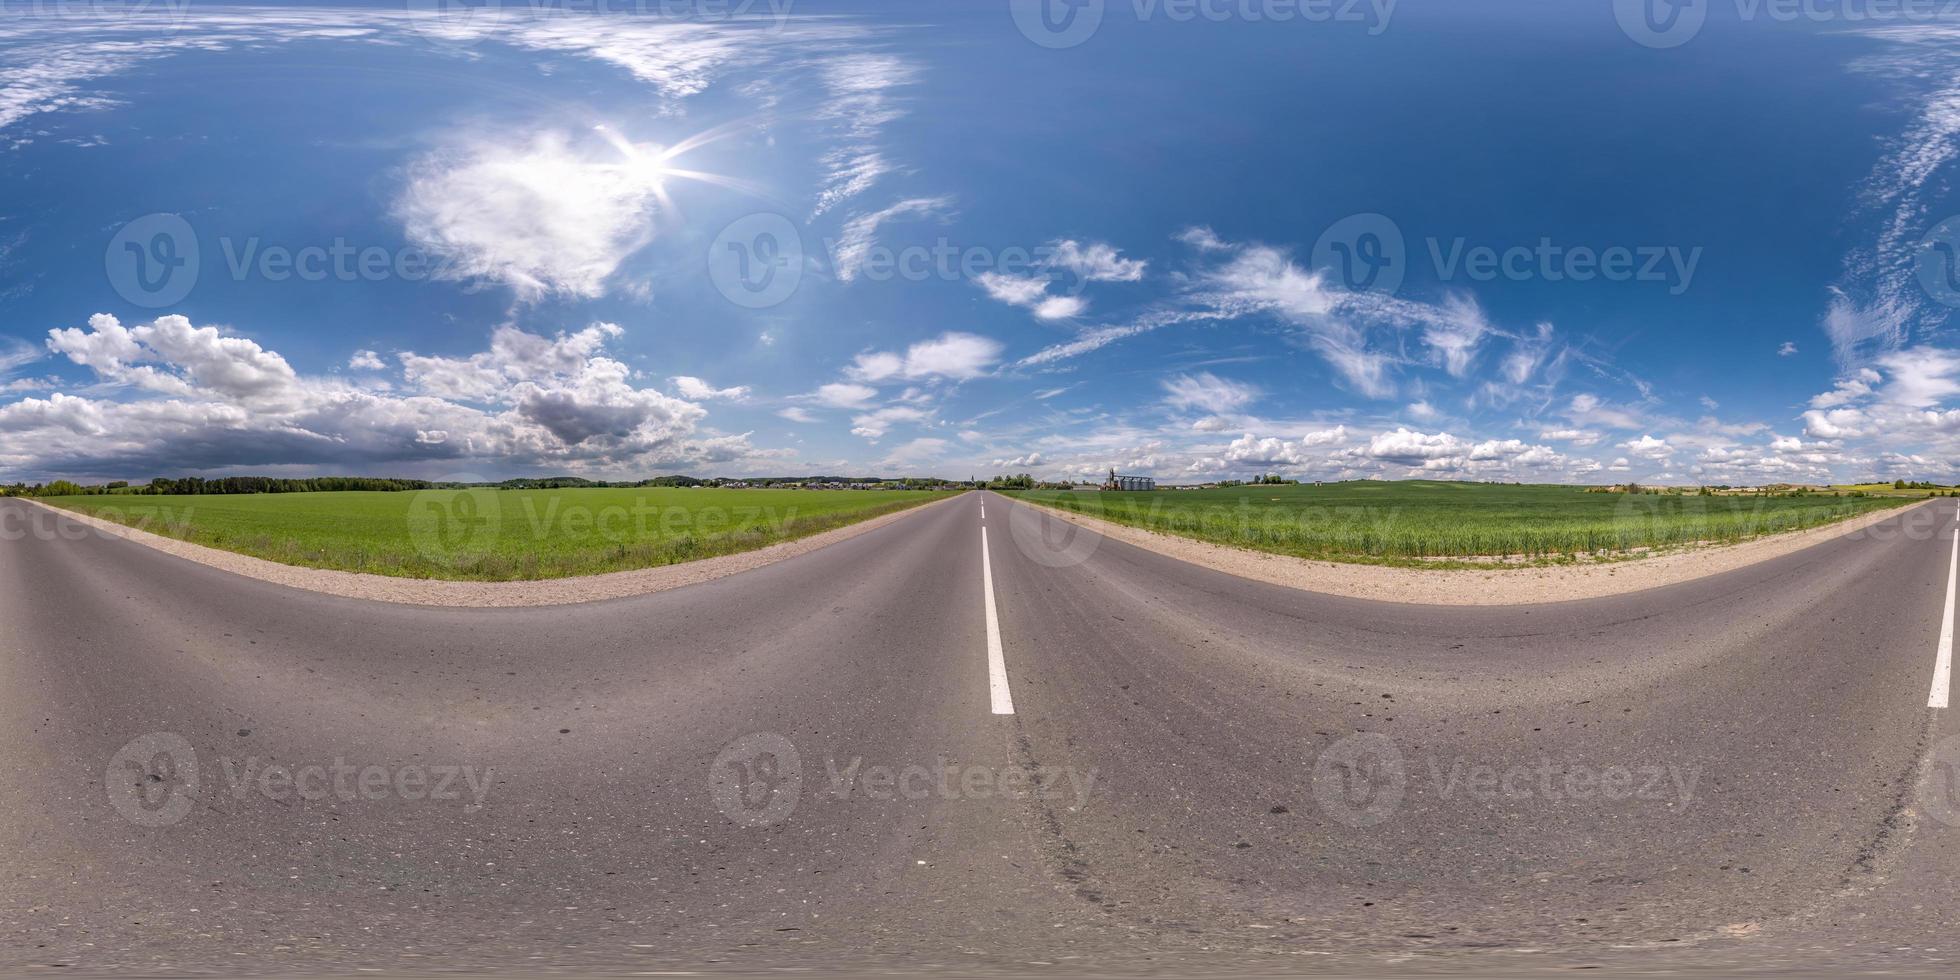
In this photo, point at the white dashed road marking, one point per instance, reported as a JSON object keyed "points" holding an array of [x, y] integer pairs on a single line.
{"points": [[996, 659]]}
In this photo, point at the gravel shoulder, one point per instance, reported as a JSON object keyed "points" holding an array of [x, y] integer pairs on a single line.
{"points": [[436, 592], [1497, 586]]}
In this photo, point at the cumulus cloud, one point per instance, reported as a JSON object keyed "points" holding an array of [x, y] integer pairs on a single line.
{"points": [[1271, 451], [366, 360], [196, 398], [1648, 447]]}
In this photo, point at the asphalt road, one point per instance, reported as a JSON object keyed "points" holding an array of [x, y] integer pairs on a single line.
{"points": [[852, 760]]}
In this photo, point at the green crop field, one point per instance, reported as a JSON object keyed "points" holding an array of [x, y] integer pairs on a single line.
{"points": [[1426, 521], [487, 534]]}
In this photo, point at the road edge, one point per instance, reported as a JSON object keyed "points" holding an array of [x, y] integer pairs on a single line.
{"points": [[489, 595], [1472, 587]]}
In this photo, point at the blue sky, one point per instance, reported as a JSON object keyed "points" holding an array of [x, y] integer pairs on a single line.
{"points": [[1504, 240]]}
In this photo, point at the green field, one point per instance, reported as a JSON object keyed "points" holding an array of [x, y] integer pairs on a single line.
{"points": [[1424, 521], [495, 535]]}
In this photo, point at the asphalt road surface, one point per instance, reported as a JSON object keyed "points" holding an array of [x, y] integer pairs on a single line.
{"points": [[977, 740]]}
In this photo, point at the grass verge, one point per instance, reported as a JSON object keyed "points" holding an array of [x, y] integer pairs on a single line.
{"points": [[496, 535], [1434, 524]]}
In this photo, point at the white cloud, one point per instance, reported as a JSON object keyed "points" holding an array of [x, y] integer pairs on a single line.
{"points": [[174, 357], [842, 395], [848, 254], [1031, 292], [1577, 437], [1587, 409], [1208, 393], [1787, 349], [1201, 237], [919, 451], [1068, 260], [1848, 389], [1920, 376], [537, 213], [1271, 451], [1410, 446], [1094, 262], [366, 360], [1013, 290], [206, 400], [874, 424], [1648, 447], [795, 414], [1455, 336], [695, 390], [954, 355], [860, 87], [1839, 423]]}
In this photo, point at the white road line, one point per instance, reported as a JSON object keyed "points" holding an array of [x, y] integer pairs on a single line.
{"points": [[983, 511], [996, 660], [1943, 661]]}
